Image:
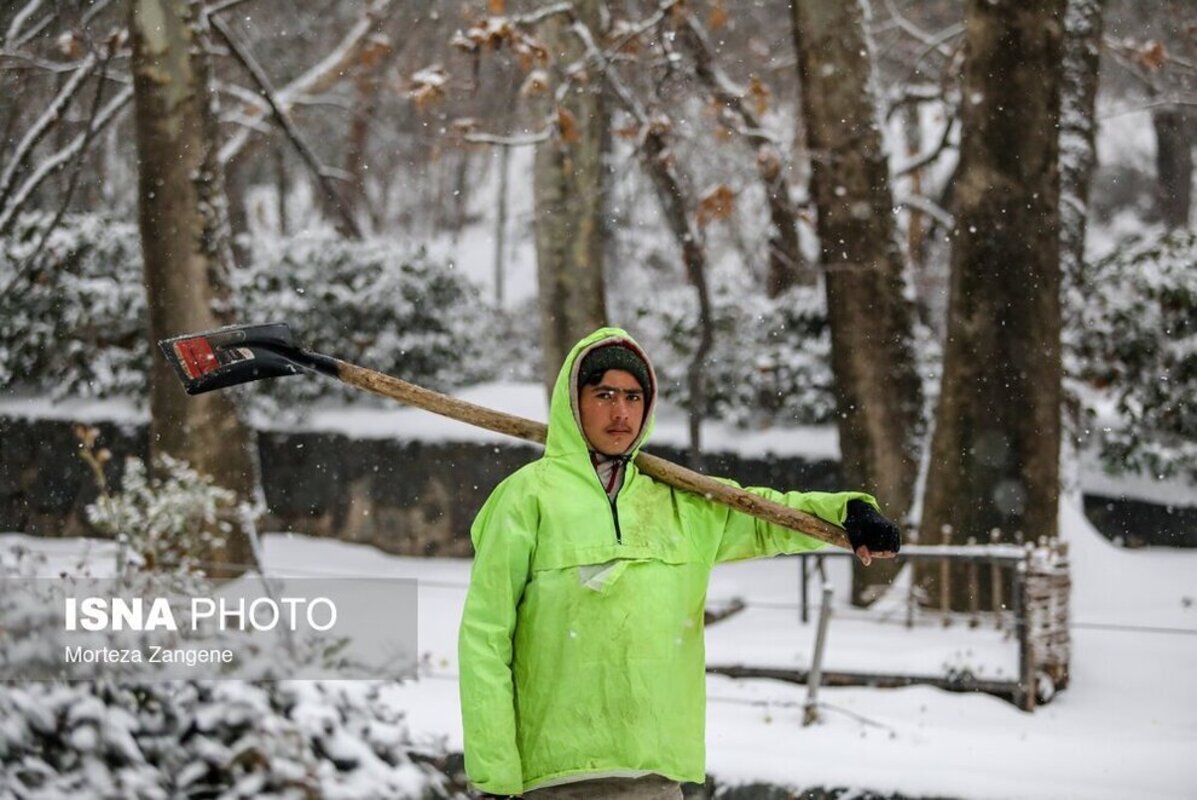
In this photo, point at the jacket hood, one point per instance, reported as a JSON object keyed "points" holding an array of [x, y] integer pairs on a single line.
{"points": [[565, 437]]}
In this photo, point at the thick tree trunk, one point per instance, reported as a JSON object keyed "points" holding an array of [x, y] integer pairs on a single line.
{"points": [[995, 453], [1173, 166], [877, 388], [185, 248], [569, 184]]}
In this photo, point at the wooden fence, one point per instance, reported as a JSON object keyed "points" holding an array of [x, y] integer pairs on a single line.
{"points": [[1029, 586]]}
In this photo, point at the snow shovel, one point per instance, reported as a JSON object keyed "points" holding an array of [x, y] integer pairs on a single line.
{"points": [[244, 353]]}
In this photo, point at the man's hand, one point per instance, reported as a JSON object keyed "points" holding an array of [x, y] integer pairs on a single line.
{"points": [[871, 534]]}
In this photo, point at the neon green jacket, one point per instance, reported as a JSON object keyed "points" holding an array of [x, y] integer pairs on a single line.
{"points": [[581, 643]]}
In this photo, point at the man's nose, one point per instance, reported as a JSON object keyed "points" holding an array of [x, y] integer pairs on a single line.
{"points": [[621, 408]]}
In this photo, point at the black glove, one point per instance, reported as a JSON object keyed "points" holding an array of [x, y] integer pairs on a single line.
{"points": [[865, 526]]}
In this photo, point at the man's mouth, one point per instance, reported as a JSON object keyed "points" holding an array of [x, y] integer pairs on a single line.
{"points": [[614, 431]]}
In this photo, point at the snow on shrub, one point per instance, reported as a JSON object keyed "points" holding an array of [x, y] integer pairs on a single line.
{"points": [[208, 738], [369, 303], [74, 322], [771, 358], [1133, 347], [128, 736]]}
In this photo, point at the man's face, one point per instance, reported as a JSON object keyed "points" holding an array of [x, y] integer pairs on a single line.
{"points": [[612, 412]]}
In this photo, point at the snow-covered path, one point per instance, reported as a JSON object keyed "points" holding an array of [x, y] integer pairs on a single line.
{"points": [[1126, 727]]}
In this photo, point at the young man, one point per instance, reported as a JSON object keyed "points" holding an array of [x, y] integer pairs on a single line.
{"points": [[581, 643]]}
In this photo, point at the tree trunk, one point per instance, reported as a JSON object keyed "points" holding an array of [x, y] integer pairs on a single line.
{"points": [[184, 237], [365, 94], [995, 453], [569, 185], [877, 387], [500, 266], [1173, 166]]}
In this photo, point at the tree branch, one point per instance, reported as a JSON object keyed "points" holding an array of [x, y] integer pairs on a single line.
{"points": [[785, 253], [927, 158], [918, 202], [44, 123], [349, 226], [88, 134], [21, 196], [320, 76], [14, 29], [508, 141]]}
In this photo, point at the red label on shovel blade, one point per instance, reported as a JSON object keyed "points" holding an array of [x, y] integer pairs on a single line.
{"points": [[196, 356]]}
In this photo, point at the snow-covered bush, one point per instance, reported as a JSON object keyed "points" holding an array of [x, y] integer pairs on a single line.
{"points": [[771, 359], [229, 739], [168, 521], [371, 303], [129, 736], [73, 321], [1133, 348]]}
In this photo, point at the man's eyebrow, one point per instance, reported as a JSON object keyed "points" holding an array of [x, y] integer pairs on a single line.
{"points": [[602, 387]]}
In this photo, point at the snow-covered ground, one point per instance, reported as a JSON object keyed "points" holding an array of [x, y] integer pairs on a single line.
{"points": [[1126, 727]]}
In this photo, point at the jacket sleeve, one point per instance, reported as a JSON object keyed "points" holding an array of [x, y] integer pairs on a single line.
{"points": [[503, 536], [743, 536]]}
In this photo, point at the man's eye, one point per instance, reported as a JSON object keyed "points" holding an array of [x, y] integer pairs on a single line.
{"points": [[633, 398]]}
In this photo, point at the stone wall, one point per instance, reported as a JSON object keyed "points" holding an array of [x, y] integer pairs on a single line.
{"points": [[404, 497]]}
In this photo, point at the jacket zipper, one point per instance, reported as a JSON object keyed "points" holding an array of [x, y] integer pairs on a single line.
{"points": [[619, 463]]}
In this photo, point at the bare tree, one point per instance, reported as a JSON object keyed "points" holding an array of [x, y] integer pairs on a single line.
{"points": [[995, 452], [878, 394], [185, 249]]}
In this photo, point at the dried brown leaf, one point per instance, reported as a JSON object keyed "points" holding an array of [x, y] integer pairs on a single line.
{"points": [[629, 132], [568, 125], [86, 434], [377, 48], [717, 203], [718, 18], [1153, 56], [760, 94], [424, 96]]}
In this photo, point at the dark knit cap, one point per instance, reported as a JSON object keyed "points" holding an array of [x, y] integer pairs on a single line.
{"points": [[614, 356]]}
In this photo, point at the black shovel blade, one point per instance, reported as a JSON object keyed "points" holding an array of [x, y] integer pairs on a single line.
{"points": [[233, 355]]}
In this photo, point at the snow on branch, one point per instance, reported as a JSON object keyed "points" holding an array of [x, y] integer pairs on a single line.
{"points": [[508, 141], [103, 117], [937, 212], [349, 224], [318, 78], [932, 41], [13, 38], [44, 123]]}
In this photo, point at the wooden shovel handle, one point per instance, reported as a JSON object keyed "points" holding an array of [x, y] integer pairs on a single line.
{"points": [[654, 466]]}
